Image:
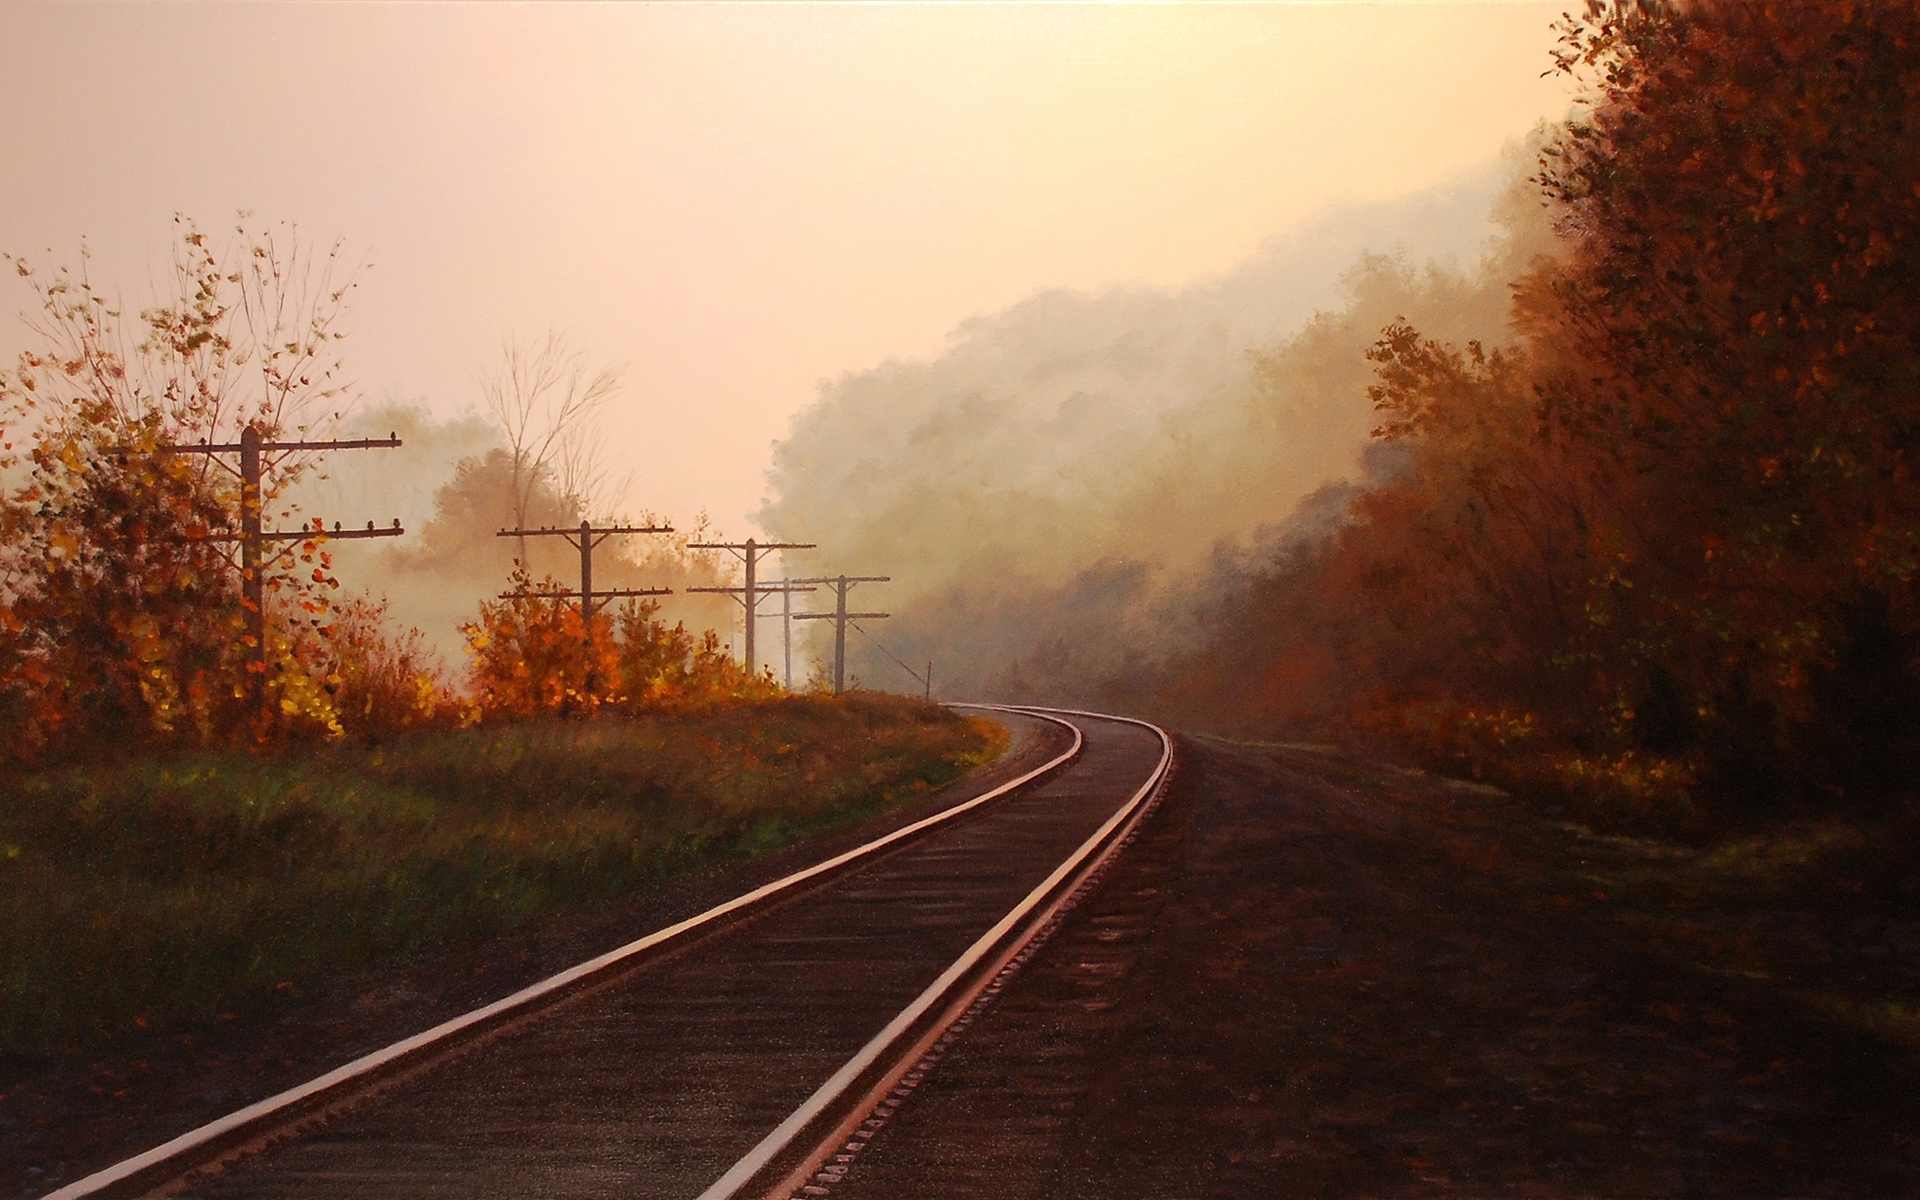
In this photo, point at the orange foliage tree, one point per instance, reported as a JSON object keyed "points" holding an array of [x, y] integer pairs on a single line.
{"points": [[1671, 542], [1733, 340], [534, 656], [121, 608]]}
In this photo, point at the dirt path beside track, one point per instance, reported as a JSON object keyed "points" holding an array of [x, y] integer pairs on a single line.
{"points": [[1311, 978]]}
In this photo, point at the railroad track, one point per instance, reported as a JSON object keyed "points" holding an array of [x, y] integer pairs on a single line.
{"points": [[752, 1051]]}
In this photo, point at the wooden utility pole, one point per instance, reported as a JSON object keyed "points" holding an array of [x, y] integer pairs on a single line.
{"points": [[840, 616], [253, 539], [584, 539], [750, 552], [786, 589]]}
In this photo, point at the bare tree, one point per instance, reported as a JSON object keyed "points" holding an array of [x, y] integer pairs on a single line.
{"points": [[584, 477], [544, 397], [243, 332]]}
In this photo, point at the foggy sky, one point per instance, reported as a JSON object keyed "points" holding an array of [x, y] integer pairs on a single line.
{"points": [[734, 201]]}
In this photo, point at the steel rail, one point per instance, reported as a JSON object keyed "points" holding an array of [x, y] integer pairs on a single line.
{"points": [[366, 1067], [834, 1093], [813, 1176]]}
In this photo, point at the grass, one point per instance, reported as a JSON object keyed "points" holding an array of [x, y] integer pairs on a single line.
{"points": [[163, 894]]}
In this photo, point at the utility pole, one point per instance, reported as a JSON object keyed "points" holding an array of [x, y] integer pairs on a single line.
{"points": [[253, 538], [786, 588], [786, 631], [840, 616], [750, 552], [584, 539]]}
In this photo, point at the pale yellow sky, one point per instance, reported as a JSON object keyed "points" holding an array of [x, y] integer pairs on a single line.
{"points": [[735, 200]]}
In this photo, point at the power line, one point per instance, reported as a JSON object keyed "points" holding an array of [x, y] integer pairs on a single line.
{"points": [[924, 680]]}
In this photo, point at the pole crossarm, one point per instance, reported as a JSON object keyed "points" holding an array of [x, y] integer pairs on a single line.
{"points": [[750, 544], [760, 591], [584, 539], [573, 536], [610, 594], [388, 442], [336, 534], [834, 616]]}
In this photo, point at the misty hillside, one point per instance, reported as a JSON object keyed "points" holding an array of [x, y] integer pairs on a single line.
{"points": [[1069, 481]]}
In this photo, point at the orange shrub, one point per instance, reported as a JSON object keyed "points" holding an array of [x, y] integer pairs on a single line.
{"points": [[379, 683], [122, 618], [532, 656]]}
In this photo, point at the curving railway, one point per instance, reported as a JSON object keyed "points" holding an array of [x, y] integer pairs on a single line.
{"points": [[752, 1051]]}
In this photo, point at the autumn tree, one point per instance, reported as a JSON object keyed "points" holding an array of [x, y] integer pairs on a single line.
{"points": [[123, 607], [1480, 538], [1664, 549], [1732, 339]]}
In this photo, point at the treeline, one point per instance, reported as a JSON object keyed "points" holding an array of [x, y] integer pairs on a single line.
{"points": [[1660, 553], [124, 619]]}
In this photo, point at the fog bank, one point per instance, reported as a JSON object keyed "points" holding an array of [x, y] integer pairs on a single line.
{"points": [[1061, 496]]}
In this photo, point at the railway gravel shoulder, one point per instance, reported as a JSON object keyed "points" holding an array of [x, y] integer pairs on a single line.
{"points": [[1312, 977]]}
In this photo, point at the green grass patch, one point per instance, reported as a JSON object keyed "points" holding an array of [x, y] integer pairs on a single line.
{"points": [[161, 894]]}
